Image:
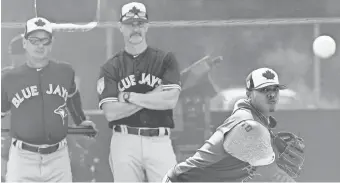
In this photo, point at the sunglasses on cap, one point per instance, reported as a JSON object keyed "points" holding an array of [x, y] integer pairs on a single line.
{"points": [[37, 41], [139, 14]]}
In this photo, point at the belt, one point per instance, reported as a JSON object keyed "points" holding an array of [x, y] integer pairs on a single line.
{"points": [[149, 132], [36, 149]]}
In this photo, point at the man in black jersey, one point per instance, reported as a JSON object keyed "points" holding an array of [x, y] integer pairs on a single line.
{"points": [[138, 88], [40, 95]]}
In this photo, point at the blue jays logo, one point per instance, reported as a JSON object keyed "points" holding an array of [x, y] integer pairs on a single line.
{"points": [[62, 111]]}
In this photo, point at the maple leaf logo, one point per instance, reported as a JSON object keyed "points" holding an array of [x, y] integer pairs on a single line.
{"points": [[268, 75], [40, 23], [135, 10]]}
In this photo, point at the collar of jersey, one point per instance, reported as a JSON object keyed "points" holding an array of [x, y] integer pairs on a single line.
{"points": [[37, 69], [135, 56]]}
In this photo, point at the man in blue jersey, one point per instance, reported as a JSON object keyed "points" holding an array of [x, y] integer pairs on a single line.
{"points": [[41, 95], [244, 148]]}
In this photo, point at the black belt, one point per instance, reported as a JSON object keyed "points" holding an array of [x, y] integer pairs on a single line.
{"points": [[149, 132], [44, 150]]}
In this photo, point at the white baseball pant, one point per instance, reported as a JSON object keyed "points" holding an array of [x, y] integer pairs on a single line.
{"points": [[26, 166], [135, 158]]}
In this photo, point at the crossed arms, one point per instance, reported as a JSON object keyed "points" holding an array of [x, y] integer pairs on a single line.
{"points": [[162, 97], [158, 99]]}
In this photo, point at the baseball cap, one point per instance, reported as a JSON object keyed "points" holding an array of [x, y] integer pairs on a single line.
{"points": [[261, 78], [132, 12], [37, 23]]}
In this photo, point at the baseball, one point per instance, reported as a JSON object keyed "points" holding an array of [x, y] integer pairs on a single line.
{"points": [[324, 46]]}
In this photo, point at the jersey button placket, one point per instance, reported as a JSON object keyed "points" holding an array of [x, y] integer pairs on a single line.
{"points": [[40, 71], [143, 118], [135, 68]]}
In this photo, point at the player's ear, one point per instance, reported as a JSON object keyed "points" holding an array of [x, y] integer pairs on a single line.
{"points": [[146, 26], [53, 39], [120, 26], [248, 93]]}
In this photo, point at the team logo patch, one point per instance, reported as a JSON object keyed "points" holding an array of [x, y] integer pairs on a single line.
{"points": [[62, 111], [100, 85]]}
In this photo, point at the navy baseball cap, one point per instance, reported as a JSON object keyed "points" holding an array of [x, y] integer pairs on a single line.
{"points": [[133, 12], [261, 78], [36, 24]]}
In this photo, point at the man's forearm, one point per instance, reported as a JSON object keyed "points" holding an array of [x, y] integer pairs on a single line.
{"points": [[156, 101], [119, 110], [75, 108]]}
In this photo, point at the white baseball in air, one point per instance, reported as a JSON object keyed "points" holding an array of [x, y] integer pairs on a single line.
{"points": [[324, 46]]}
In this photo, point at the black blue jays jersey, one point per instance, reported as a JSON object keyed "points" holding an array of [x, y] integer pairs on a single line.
{"points": [[37, 99], [140, 74]]}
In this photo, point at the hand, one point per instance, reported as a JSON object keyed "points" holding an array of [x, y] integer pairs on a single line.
{"points": [[121, 97], [166, 179], [88, 123]]}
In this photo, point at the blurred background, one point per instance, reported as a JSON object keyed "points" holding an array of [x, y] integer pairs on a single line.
{"points": [[313, 98]]}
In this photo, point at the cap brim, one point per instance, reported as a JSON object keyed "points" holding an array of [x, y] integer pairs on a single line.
{"points": [[131, 20], [35, 30], [281, 87]]}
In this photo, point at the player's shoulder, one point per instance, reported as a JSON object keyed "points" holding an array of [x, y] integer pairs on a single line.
{"points": [[242, 114], [247, 132], [61, 64], [161, 53], [165, 56], [6, 69], [245, 120], [242, 110], [237, 117], [249, 137], [158, 51], [114, 60], [9, 72], [5, 72], [250, 125]]}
